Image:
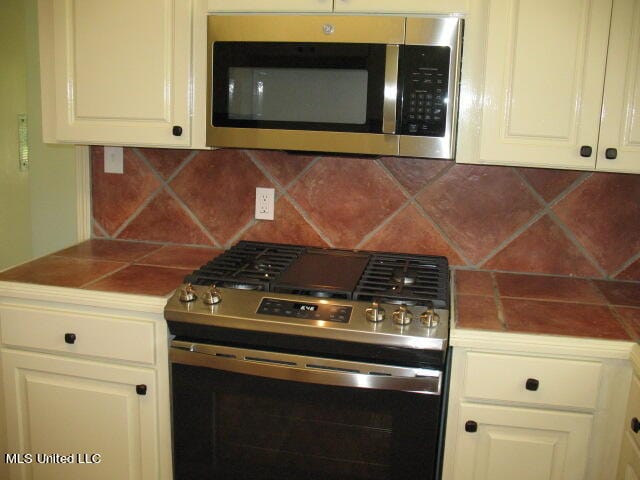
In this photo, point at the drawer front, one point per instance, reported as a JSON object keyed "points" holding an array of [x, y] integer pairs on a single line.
{"points": [[52, 330], [569, 383]]}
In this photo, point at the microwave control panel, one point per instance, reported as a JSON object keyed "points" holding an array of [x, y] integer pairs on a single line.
{"points": [[425, 86]]}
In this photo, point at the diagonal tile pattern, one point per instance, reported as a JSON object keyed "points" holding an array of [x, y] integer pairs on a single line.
{"points": [[509, 219]]}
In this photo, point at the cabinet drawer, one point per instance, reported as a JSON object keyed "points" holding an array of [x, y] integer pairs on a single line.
{"points": [[120, 339], [567, 383]]}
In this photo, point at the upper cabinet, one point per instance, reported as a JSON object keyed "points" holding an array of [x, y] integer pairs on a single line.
{"points": [[270, 5], [116, 72], [534, 93], [340, 6]]}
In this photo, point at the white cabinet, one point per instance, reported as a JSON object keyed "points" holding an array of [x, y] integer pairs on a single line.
{"points": [[629, 465], [340, 6], [116, 72], [540, 75], [270, 5]]}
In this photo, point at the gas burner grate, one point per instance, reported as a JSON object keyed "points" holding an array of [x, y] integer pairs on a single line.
{"points": [[409, 279], [247, 265]]}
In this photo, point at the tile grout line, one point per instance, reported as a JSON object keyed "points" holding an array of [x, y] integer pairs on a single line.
{"points": [[386, 221], [99, 227], [626, 326], [138, 211], [626, 265], [192, 215], [106, 275]]}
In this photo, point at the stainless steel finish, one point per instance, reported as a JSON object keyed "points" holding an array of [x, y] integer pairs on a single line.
{"points": [[440, 32], [238, 311], [402, 315], [212, 296], [390, 89], [375, 313], [187, 293], [328, 29], [430, 318], [299, 368]]}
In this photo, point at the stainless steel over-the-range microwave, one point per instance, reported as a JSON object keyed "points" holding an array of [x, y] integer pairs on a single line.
{"points": [[382, 85]]}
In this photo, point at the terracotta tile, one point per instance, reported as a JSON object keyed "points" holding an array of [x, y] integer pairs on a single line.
{"points": [[631, 318], [283, 166], [220, 188], [604, 214], [549, 183], [165, 160], [476, 312], [424, 238], [179, 256], [620, 293], [632, 272], [116, 197], [142, 280], [96, 232], [558, 318], [60, 271], [471, 282], [288, 227], [414, 173], [346, 198], [549, 288], [479, 207], [164, 220], [543, 248], [109, 250]]}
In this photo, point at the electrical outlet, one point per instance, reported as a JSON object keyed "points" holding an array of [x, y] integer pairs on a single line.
{"points": [[113, 160], [265, 198]]}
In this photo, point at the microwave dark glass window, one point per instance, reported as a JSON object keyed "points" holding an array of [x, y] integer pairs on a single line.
{"points": [[231, 426], [425, 70], [308, 86]]}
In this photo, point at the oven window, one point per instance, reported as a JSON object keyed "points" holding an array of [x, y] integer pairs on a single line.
{"points": [[308, 86], [232, 426]]}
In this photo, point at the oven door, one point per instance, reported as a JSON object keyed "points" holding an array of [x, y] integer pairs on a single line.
{"points": [[243, 414], [329, 81]]}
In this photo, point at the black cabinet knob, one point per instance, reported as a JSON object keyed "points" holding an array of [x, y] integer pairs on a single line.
{"points": [[635, 425], [177, 130], [611, 153], [586, 151], [70, 338], [532, 384], [141, 389], [471, 426]]}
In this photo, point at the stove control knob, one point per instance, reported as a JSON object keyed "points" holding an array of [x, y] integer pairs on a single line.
{"points": [[375, 313], [187, 294], [430, 318], [213, 296], [402, 315]]}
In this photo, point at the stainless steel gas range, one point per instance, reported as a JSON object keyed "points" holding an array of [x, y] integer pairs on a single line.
{"points": [[299, 362]]}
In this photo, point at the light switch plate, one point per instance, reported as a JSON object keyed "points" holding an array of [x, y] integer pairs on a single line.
{"points": [[265, 198], [113, 160]]}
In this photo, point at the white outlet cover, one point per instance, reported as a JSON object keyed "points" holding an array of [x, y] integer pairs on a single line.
{"points": [[113, 160], [265, 199]]}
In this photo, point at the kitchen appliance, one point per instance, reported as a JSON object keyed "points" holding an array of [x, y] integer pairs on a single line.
{"points": [[378, 85], [304, 362]]}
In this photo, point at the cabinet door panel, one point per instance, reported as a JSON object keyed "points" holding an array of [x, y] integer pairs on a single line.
{"points": [[544, 75], [122, 71], [629, 467], [621, 105], [401, 6], [70, 407], [523, 444]]}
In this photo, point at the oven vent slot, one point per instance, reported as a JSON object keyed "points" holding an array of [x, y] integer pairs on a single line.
{"points": [[333, 369], [382, 374], [269, 360], [225, 355]]}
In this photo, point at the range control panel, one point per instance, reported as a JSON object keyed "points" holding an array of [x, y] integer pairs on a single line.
{"points": [[305, 310], [425, 70]]}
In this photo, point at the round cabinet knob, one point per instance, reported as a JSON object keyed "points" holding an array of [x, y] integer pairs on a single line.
{"points": [[213, 296], [187, 294], [177, 131], [611, 153], [375, 313], [402, 315], [70, 338], [471, 426], [532, 384], [586, 151], [430, 318]]}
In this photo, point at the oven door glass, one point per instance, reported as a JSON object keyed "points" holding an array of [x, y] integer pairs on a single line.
{"points": [[235, 426], [298, 86]]}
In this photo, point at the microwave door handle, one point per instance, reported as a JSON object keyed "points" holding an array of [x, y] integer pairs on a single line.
{"points": [[390, 89]]}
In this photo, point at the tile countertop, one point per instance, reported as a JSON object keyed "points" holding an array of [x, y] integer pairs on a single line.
{"points": [[114, 266]]}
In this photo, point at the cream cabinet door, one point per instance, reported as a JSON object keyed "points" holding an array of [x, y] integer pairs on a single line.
{"points": [[121, 70], [629, 467], [544, 75], [401, 6], [519, 443], [620, 131], [270, 5], [57, 405]]}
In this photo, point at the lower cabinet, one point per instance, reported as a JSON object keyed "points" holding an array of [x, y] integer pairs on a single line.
{"points": [[101, 417], [629, 466], [629, 461]]}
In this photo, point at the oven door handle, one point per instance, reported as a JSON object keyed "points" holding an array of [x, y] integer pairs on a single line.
{"points": [[390, 89], [309, 373]]}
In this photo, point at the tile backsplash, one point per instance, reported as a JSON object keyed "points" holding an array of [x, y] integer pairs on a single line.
{"points": [[511, 219]]}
